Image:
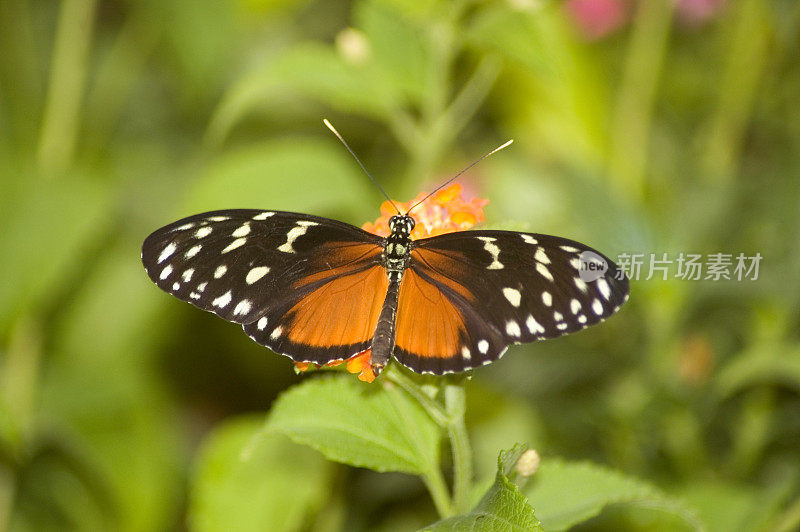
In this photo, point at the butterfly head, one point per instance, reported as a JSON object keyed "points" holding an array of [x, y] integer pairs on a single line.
{"points": [[401, 224]]}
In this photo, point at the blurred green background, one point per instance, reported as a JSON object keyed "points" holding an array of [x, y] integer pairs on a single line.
{"points": [[661, 126]]}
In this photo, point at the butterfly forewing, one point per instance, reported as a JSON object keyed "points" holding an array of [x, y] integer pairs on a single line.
{"points": [[292, 280], [501, 288]]}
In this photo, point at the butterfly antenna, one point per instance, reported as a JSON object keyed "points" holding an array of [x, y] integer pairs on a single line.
{"points": [[333, 129], [434, 191]]}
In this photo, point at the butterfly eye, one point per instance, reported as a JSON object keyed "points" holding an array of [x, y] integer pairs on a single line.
{"points": [[402, 223]]}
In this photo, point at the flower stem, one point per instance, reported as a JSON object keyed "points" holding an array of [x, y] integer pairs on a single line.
{"points": [[60, 123], [455, 404], [437, 487], [433, 408]]}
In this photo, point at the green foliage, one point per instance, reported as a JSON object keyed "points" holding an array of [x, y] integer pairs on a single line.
{"points": [[353, 423], [248, 479], [673, 134], [502, 508], [570, 493]]}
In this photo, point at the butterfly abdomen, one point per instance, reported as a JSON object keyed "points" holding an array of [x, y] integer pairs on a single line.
{"points": [[383, 341]]}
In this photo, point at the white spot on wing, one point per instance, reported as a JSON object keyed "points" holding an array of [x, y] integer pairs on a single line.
{"points": [[220, 271], [581, 318], [176, 285], [513, 295], [242, 307], [239, 242], [541, 256], [465, 353], [561, 326], [243, 230], [202, 286], [262, 323], [543, 271], [558, 316], [218, 218], [575, 306], [263, 216], [512, 328], [184, 227], [569, 249], [203, 232], [580, 283], [222, 300], [528, 239], [255, 274], [187, 275], [605, 290], [194, 295], [493, 250], [276, 332], [533, 326], [293, 234], [547, 299], [597, 307], [167, 252], [165, 272], [483, 346], [194, 250]]}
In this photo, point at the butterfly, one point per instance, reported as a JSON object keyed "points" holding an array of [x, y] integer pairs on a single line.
{"points": [[321, 291]]}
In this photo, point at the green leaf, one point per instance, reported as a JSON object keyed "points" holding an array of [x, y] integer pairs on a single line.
{"points": [[312, 70], [766, 362], [502, 508], [248, 479], [398, 48], [377, 426], [567, 493], [737, 506], [101, 387], [290, 174], [45, 225], [559, 101]]}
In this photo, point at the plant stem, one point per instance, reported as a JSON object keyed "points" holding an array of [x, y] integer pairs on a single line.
{"points": [[748, 57], [437, 487], [790, 519], [472, 95], [68, 67], [455, 404], [7, 493], [630, 135], [433, 408]]}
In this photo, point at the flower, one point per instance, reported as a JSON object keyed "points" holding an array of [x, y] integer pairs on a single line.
{"points": [[446, 211], [598, 18]]}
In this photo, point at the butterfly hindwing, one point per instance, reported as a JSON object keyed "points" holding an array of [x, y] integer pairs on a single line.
{"points": [[501, 288], [292, 280]]}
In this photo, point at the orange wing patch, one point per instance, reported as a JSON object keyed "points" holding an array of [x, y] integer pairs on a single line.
{"points": [[441, 266], [343, 311], [342, 260], [428, 324]]}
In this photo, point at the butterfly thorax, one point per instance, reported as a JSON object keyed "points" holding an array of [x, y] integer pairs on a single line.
{"points": [[397, 250]]}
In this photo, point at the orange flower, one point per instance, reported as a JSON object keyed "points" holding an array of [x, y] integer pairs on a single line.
{"points": [[359, 363], [446, 211]]}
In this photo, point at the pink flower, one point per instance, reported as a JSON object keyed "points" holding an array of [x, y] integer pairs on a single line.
{"points": [[696, 12], [598, 18]]}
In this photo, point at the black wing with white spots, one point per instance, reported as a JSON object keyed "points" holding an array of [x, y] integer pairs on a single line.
{"points": [[254, 267], [511, 288]]}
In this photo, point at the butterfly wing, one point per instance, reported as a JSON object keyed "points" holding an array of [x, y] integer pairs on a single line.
{"points": [[304, 286], [466, 296]]}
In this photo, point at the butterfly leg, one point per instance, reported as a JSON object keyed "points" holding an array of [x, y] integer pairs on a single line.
{"points": [[384, 338]]}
